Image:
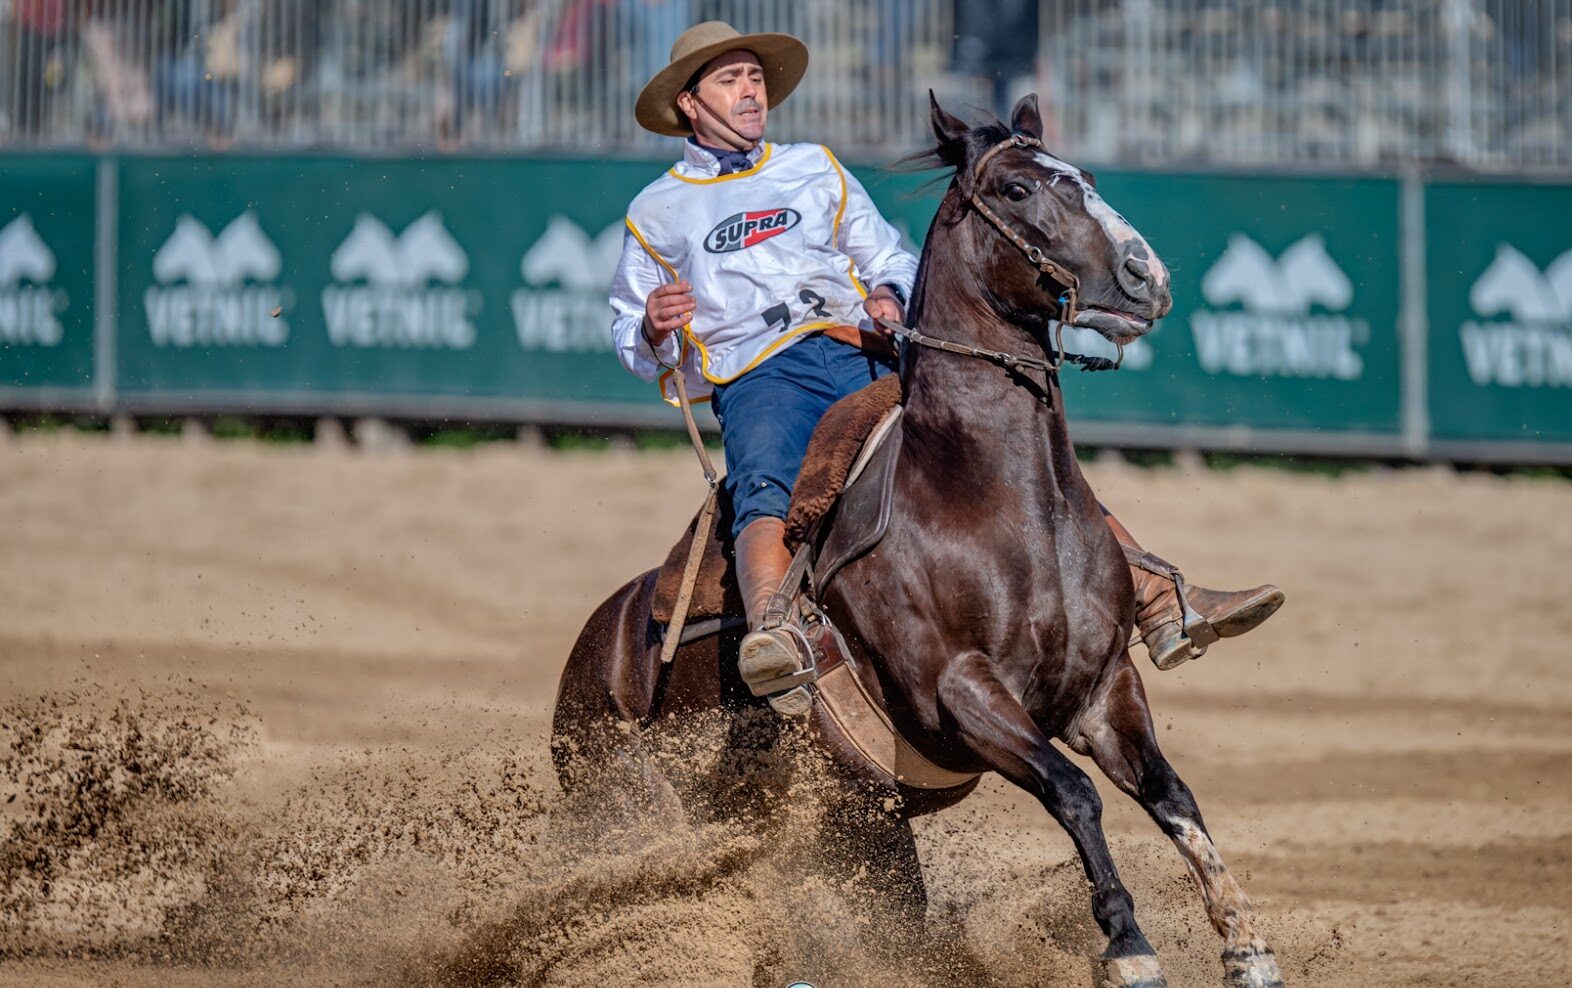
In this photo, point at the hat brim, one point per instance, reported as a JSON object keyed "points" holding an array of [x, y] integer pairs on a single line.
{"points": [[783, 58]]}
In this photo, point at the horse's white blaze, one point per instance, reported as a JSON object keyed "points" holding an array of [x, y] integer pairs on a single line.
{"points": [[1116, 227]]}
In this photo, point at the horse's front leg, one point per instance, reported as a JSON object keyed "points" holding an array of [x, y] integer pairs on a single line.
{"points": [[1116, 731], [999, 731]]}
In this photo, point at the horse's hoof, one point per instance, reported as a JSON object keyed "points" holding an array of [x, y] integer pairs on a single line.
{"points": [[1139, 971], [1251, 967], [793, 703]]}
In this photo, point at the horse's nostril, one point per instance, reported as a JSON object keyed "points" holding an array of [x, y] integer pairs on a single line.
{"points": [[1135, 277]]}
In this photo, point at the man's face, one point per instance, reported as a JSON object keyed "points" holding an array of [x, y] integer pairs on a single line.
{"points": [[732, 88]]}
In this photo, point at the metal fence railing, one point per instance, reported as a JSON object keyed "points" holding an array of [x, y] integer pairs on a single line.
{"points": [[1360, 83], [1480, 83]]}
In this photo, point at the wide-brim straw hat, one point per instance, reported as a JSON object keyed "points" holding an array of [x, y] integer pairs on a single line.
{"points": [[783, 57]]}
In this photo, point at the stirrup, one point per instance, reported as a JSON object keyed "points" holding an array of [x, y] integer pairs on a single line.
{"points": [[776, 659], [1196, 627], [771, 660], [785, 659]]}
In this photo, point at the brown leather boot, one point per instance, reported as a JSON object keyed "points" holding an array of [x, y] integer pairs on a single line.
{"points": [[776, 649], [1176, 620]]}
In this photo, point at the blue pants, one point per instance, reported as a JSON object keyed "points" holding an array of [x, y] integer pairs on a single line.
{"points": [[767, 417]]}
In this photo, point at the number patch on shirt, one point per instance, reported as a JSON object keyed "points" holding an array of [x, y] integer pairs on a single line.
{"points": [[779, 318], [815, 303], [777, 313]]}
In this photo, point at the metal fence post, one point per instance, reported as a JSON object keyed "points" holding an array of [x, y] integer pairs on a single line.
{"points": [[105, 283], [1414, 323]]}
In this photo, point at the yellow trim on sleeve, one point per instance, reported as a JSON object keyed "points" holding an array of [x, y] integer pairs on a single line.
{"points": [[835, 228], [648, 249], [851, 272], [682, 351], [768, 149], [682, 358]]}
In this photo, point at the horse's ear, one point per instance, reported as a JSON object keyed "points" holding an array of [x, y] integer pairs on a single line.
{"points": [[951, 132], [1026, 119]]}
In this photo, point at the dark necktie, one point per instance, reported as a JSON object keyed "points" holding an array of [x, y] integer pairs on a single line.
{"points": [[729, 160], [733, 161]]}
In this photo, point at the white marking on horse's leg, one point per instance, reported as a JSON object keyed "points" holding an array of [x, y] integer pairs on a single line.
{"points": [[1247, 961], [1226, 903], [1251, 969], [1141, 971]]}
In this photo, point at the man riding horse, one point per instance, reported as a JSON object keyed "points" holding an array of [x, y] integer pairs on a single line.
{"points": [[761, 272]]}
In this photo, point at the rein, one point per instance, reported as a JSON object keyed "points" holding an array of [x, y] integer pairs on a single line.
{"points": [[1012, 362], [701, 526]]}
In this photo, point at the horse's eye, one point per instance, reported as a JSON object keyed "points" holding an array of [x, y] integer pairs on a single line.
{"points": [[1016, 192]]}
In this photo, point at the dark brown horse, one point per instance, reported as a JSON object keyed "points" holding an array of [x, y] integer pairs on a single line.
{"points": [[996, 613]]}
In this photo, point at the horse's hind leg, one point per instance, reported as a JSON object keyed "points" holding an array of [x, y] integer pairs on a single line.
{"points": [[998, 730], [1116, 731]]}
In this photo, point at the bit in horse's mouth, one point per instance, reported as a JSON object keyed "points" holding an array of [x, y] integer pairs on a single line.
{"points": [[1117, 325]]}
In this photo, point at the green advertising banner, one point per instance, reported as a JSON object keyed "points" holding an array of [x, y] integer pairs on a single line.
{"points": [[1286, 299], [477, 287], [405, 279], [1499, 279], [488, 279], [47, 232]]}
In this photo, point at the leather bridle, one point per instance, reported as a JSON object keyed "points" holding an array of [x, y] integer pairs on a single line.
{"points": [[1069, 306]]}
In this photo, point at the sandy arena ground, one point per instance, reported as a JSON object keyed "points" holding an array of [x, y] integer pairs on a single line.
{"points": [[1387, 764]]}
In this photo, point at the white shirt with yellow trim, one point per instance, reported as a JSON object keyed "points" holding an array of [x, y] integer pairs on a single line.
{"points": [[785, 248]]}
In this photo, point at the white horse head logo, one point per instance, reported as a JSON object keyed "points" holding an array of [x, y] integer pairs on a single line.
{"points": [[369, 252], [239, 252], [1514, 284], [1303, 276], [566, 255], [425, 251], [23, 254]]}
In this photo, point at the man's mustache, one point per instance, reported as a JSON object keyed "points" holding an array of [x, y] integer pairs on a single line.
{"points": [[744, 105]]}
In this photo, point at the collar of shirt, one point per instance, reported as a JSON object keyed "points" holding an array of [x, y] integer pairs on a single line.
{"points": [[699, 161]]}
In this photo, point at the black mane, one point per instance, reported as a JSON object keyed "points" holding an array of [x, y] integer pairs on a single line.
{"points": [[954, 155]]}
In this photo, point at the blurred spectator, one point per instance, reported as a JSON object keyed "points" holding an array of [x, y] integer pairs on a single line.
{"points": [[44, 41], [580, 50], [195, 81], [996, 40], [479, 74], [121, 79], [896, 19], [290, 49]]}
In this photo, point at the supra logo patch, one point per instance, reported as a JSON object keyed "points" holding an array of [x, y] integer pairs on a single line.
{"points": [[746, 229]]}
